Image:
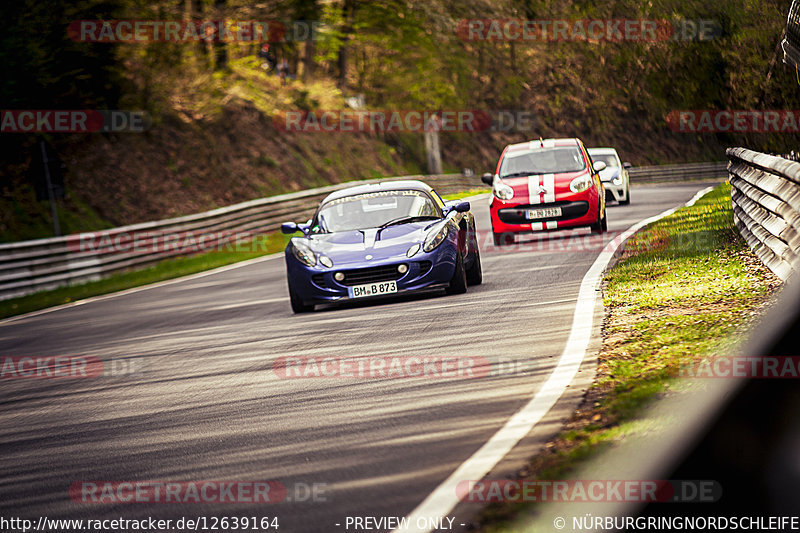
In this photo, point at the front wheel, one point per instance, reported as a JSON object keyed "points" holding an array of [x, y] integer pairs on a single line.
{"points": [[297, 303], [475, 272], [458, 285], [627, 199], [601, 226]]}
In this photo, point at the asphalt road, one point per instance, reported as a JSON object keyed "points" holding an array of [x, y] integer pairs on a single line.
{"points": [[196, 397]]}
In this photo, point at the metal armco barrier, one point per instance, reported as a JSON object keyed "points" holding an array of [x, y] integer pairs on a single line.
{"points": [[30, 266], [690, 171], [41, 264], [766, 207]]}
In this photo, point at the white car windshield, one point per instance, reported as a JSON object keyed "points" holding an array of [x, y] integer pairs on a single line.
{"points": [[609, 159], [374, 210], [542, 161]]}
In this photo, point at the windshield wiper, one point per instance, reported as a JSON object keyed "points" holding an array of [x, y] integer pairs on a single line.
{"points": [[403, 220], [518, 174]]}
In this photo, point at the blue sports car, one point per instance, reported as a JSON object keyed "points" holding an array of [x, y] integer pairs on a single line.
{"points": [[378, 240]]}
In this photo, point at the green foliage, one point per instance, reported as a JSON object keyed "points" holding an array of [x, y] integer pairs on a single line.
{"points": [[404, 54]]}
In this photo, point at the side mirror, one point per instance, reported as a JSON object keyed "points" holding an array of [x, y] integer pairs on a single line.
{"points": [[290, 227], [599, 165], [461, 207], [488, 179], [626, 165]]}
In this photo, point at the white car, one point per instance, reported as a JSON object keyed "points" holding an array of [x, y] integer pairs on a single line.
{"points": [[615, 176]]}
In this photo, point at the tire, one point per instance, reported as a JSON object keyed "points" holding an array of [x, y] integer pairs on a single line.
{"points": [[503, 239], [297, 304], [458, 285], [627, 199], [475, 272], [601, 226]]}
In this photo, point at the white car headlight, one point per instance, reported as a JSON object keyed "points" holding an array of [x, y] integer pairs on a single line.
{"points": [[303, 253], [326, 261], [436, 237], [413, 250], [503, 191], [581, 183], [617, 180]]}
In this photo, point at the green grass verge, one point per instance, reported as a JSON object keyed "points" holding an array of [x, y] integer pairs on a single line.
{"points": [[164, 270], [471, 192], [686, 287]]}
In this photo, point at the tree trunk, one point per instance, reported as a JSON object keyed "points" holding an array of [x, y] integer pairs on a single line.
{"points": [[347, 30], [220, 46], [342, 63], [308, 62], [196, 15], [433, 152]]}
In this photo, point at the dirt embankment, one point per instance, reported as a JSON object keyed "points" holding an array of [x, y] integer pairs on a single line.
{"points": [[182, 166]]}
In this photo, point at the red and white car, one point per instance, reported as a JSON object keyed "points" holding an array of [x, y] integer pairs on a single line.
{"points": [[547, 184]]}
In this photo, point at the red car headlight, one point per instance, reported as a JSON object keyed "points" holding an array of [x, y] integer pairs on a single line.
{"points": [[581, 183], [503, 191]]}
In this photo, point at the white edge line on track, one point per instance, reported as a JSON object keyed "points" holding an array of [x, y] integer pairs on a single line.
{"points": [[132, 290], [181, 279], [444, 498]]}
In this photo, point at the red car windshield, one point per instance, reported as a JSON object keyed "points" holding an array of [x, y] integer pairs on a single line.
{"points": [[542, 161]]}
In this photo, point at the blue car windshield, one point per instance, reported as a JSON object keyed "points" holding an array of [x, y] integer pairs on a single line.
{"points": [[542, 161], [374, 209]]}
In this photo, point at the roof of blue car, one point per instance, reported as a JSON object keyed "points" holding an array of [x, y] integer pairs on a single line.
{"points": [[382, 186]]}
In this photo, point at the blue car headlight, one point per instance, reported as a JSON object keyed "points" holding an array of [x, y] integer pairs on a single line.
{"points": [[435, 237], [413, 250], [303, 253]]}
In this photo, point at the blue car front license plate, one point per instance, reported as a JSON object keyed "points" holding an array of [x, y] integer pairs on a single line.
{"points": [[372, 289]]}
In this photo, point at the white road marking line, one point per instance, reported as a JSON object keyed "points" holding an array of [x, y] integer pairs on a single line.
{"points": [[142, 288], [444, 499], [246, 304], [699, 195], [548, 267]]}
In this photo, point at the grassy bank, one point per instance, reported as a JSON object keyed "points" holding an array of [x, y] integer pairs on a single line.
{"points": [[164, 270], [686, 287]]}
